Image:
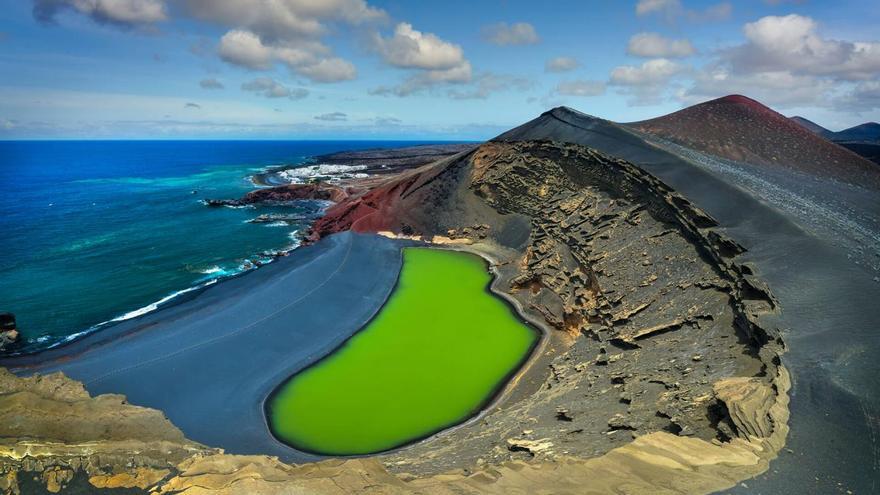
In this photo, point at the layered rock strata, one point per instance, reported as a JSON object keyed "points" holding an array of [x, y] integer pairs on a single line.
{"points": [[657, 373]]}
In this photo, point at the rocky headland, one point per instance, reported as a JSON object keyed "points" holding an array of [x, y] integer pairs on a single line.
{"points": [[336, 183]]}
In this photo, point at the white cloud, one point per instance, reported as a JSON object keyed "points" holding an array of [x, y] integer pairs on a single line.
{"points": [[211, 83], [792, 43], [387, 121], [409, 48], [308, 59], [290, 32], [645, 7], [284, 19], [519, 33], [673, 9], [127, 13], [580, 88], [329, 70], [717, 12], [864, 97], [647, 84], [245, 48], [435, 60], [561, 64], [649, 73], [270, 88], [332, 117], [785, 62], [487, 84], [426, 80], [652, 45], [780, 89]]}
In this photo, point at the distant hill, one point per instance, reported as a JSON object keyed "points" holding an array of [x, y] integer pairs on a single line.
{"points": [[811, 126], [863, 139], [739, 128], [868, 132]]}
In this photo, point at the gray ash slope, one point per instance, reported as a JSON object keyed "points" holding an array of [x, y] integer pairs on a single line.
{"points": [[829, 306]]}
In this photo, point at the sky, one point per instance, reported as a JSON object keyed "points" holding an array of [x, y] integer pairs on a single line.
{"points": [[403, 69]]}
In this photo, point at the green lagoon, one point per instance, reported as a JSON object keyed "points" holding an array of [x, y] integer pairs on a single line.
{"points": [[437, 351]]}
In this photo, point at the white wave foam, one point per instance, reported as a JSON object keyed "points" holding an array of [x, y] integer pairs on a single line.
{"points": [[302, 174], [215, 274], [154, 306]]}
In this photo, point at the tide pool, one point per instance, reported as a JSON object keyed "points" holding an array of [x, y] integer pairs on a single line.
{"points": [[432, 357]]}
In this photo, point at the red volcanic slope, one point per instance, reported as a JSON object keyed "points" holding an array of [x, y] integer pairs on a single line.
{"points": [[380, 208], [739, 128]]}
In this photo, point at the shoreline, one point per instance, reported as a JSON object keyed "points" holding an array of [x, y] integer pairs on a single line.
{"points": [[144, 357], [714, 248], [410, 154], [168, 301], [747, 454], [493, 398]]}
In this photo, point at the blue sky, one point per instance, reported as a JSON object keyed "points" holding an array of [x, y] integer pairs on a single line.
{"points": [[325, 69]]}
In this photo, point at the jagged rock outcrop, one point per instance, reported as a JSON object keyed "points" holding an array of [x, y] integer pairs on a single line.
{"points": [[50, 427], [8, 330], [284, 194], [657, 373], [647, 305]]}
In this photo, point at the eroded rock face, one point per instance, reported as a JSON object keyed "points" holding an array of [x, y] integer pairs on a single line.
{"points": [[8, 330], [656, 370], [50, 426], [646, 305], [283, 194]]}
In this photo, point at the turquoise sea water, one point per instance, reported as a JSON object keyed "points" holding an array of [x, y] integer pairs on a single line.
{"points": [[97, 231]]}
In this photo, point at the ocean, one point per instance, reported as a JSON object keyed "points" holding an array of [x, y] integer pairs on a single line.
{"points": [[95, 232]]}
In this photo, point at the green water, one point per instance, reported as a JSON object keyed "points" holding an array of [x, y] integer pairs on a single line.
{"points": [[435, 353]]}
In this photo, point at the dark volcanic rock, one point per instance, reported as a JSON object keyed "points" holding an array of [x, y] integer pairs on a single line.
{"points": [[616, 264], [868, 132], [7, 321], [282, 194], [871, 151], [395, 159], [8, 330]]}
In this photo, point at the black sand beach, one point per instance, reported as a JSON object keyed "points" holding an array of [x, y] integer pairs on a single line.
{"points": [[829, 315], [210, 362]]}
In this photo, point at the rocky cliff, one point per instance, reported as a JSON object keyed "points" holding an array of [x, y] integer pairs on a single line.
{"points": [[657, 373]]}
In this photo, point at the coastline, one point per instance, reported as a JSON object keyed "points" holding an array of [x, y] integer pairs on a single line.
{"points": [[742, 457], [174, 298], [717, 249], [144, 358], [492, 399], [199, 172]]}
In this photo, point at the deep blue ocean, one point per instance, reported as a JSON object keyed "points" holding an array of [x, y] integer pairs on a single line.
{"points": [[93, 232]]}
